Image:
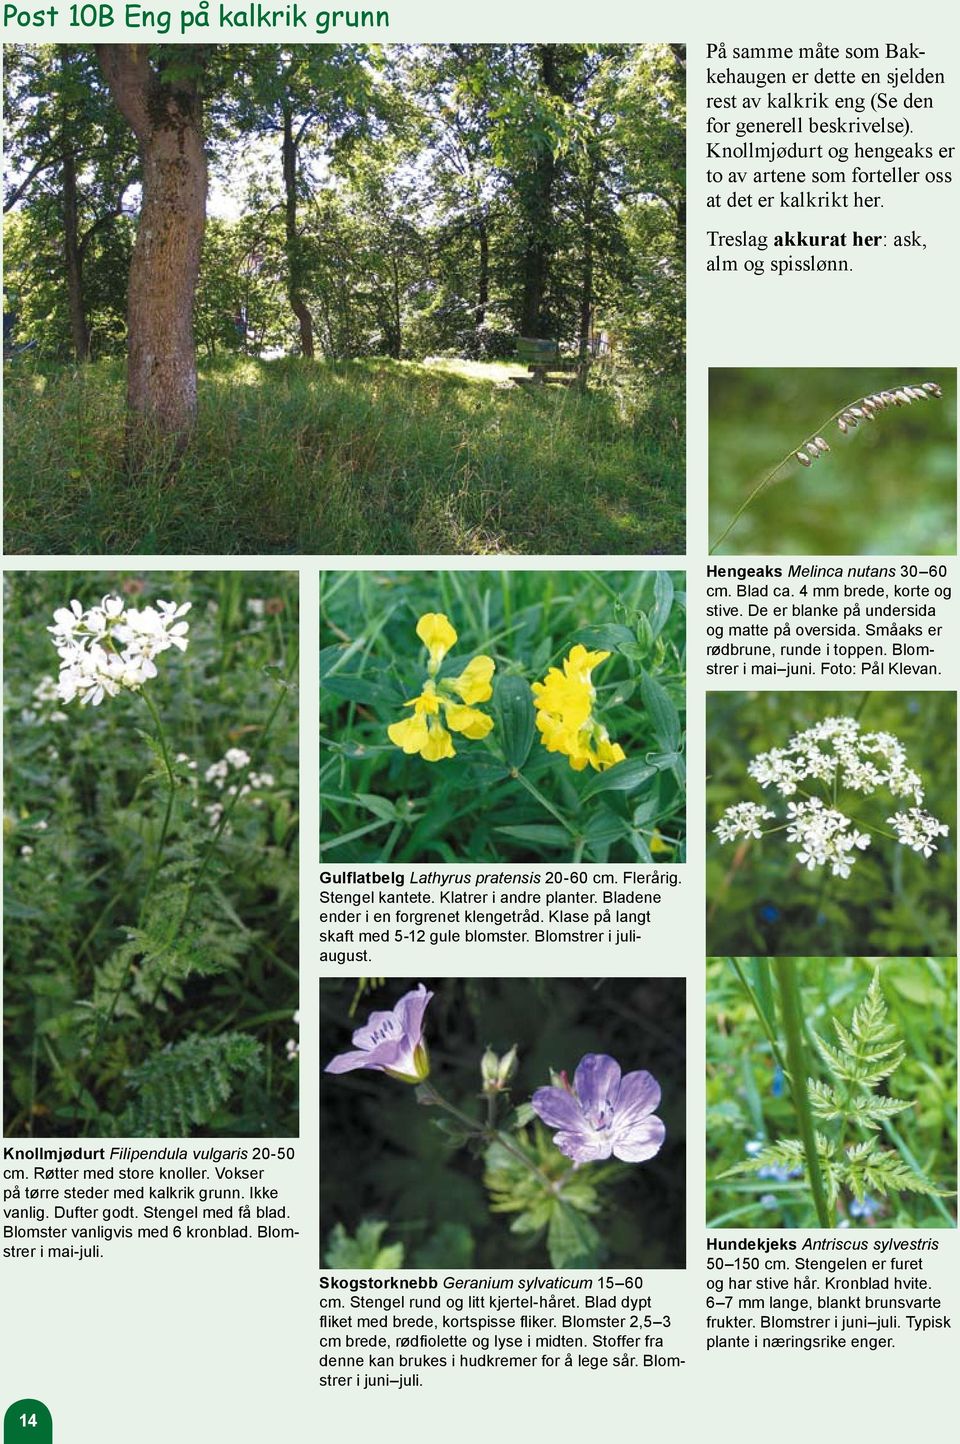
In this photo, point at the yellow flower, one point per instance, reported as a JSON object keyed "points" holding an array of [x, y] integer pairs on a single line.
{"points": [[564, 702], [449, 700], [474, 683], [438, 636]]}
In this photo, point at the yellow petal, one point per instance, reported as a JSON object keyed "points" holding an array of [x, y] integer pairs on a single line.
{"points": [[411, 734], [473, 684], [468, 720], [608, 753], [437, 635], [427, 702], [439, 744], [580, 663]]}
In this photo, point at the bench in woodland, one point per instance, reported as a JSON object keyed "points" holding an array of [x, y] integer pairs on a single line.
{"points": [[539, 356]]}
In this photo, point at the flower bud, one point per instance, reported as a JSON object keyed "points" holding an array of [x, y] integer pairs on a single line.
{"points": [[496, 1072]]}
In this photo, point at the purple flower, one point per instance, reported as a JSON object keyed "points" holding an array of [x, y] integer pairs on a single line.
{"points": [[603, 1113], [391, 1042]]}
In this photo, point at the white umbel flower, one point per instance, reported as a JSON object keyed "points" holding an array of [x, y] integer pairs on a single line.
{"points": [[110, 648], [743, 819], [916, 829], [839, 757]]}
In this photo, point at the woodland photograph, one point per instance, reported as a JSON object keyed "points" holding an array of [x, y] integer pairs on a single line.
{"points": [[346, 299]]}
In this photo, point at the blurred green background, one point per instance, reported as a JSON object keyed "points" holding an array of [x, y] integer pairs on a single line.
{"points": [[383, 1157], [887, 489], [748, 1099], [761, 900]]}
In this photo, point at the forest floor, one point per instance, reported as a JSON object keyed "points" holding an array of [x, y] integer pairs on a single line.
{"points": [[349, 458]]}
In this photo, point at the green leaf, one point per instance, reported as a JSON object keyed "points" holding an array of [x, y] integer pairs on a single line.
{"points": [[520, 1117], [483, 771], [380, 806], [451, 1246], [544, 833], [354, 688], [363, 1251], [663, 714], [572, 1240], [329, 656], [607, 638], [604, 826], [517, 719], [623, 777], [662, 602]]}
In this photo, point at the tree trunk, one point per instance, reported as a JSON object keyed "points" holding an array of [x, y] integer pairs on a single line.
{"points": [[162, 361], [397, 336], [483, 273], [586, 282], [73, 263], [294, 260], [539, 247]]}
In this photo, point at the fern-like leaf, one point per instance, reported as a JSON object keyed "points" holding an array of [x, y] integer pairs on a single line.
{"points": [[866, 1167], [182, 1087], [789, 1153], [861, 1108], [869, 1050]]}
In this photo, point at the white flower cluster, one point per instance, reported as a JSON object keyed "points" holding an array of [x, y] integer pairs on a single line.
{"points": [[825, 835], [233, 760], [837, 756], [111, 648], [916, 829], [744, 819], [837, 753], [46, 696]]}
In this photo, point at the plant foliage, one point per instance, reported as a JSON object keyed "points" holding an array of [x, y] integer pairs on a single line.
{"points": [[851, 1109], [150, 937]]}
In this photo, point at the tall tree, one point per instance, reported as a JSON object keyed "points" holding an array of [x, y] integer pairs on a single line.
{"points": [[66, 146], [317, 99], [160, 98], [457, 87]]}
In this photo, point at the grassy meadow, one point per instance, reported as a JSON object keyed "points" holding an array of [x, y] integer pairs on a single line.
{"points": [[346, 458]]}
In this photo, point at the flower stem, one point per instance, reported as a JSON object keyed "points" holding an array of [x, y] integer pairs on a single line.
{"points": [[544, 803], [791, 1012], [171, 789], [761, 485], [106, 1020], [212, 845], [491, 1133]]}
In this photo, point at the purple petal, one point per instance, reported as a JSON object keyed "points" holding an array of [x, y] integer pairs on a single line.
{"points": [[557, 1108], [638, 1142], [583, 1147], [639, 1095], [347, 1062], [378, 1028], [410, 1011], [596, 1082]]}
